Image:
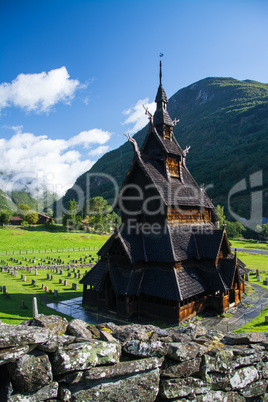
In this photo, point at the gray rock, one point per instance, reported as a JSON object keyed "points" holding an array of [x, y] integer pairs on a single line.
{"points": [[11, 354], [106, 336], [55, 342], [47, 392], [116, 370], [182, 387], [245, 338], [144, 349], [243, 377], [56, 324], [141, 387], [64, 394], [220, 396], [185, 369], [95, 332], [221, 362], [185, 351], [30, 372], [79, 329], [80, 356], [255, 389], [17, 335]]}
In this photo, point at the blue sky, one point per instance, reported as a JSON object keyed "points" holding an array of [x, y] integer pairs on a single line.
{"points": [[74, 74]]}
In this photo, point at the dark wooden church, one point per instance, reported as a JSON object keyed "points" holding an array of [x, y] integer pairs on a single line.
{"points": [[169, 259]]}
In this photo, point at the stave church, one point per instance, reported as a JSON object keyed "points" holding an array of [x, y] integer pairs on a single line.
{"points": [[169, 260]]}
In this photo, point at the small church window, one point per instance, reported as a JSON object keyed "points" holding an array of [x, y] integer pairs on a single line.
{"points": [[167, 131], [173, 166]]}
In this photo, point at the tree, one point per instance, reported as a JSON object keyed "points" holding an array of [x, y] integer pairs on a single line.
{"points": [[100, 215], [72, 217], [4, 217], [49, 212], [23, 209], [31, 217], [234, 229], [220, 212]]}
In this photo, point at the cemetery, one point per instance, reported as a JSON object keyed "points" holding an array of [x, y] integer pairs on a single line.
{"points": [[48, 283]]}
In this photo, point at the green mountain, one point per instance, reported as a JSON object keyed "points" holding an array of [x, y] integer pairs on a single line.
{"points": [[225, 121], [6, 202]]}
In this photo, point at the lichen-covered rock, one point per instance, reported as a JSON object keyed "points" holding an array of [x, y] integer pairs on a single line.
{"points": [[80, 356], [79, 329], [243, 376], [247, 360], [11, 354], [254, 389], [140, 387], [221, 362], [57, 325], [144, 349], [95, 332], [120, 369], [182, 387], [17, 335], [245, 338], [30, 372], [55, 342], [220, 396], [45, 393], [64, 394], [185, 351], [184, 369], [106, 336], [126, 333]]}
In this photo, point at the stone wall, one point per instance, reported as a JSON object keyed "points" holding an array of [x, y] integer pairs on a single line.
{"points": [[49, 359]]}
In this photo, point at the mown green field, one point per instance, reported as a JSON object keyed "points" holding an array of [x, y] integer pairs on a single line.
{"points": [[40, 238], [254, 261], [250, 244], [256, 325]]}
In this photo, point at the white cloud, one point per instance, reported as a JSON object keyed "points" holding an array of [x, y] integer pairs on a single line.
{"points": [[86, 138], [38, 92], [35, 161], [136, 115], [99, 151]]}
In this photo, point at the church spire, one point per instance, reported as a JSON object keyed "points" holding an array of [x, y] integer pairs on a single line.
{"points": [[161, 115]]}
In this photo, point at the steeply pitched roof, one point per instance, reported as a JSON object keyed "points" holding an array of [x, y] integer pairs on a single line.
{"points": [[95, 275]]}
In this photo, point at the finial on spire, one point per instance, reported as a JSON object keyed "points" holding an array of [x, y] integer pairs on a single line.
{"points": [[160, 74]]}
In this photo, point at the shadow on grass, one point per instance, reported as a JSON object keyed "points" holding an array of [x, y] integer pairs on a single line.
{"points": [[17, 307], [44, 228]]}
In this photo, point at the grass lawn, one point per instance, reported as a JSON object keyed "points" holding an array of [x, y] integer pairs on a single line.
{"points": [[257, 324], [254, 261], [257, 245], [38, 244], [40, 238], [11, 310]]}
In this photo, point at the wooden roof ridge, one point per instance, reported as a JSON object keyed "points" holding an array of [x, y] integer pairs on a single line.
{"points": [[115, 236], [178, 284], [171, 243], [201, 189], [224, 236]]}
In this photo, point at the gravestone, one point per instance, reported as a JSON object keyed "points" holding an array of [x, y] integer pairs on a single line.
{"points": [[48, 276], [36, 272], [46, 288], [69, 274], [56, 293], [60, 281], [257, 272], [65, 282], [4, 290], [258, 278], [24, 278], [33, 282], [35, 309], [75, 274], [79, 275], [74, 286], [61, 271], [43, 286]]}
